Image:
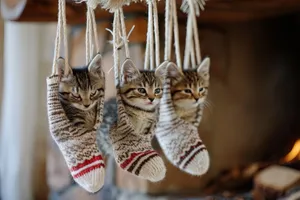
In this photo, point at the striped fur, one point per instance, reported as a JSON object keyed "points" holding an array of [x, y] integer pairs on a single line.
{"points": [[178, 138], [131, 136]]}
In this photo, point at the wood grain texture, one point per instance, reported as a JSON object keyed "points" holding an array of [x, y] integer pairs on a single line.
{"points": [[216, 10]]}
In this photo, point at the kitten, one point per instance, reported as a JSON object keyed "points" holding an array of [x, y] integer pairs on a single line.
{"points": [[141, 92], [189, 90], [80, 90]]}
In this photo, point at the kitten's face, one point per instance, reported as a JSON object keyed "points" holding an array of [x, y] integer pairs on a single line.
{"points": [[141, 89], [190, 91], [188, 88], [84, 86]]}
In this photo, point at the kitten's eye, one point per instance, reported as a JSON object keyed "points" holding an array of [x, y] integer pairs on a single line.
{"points": [[157, 90], [188, 91], [75, 96], [201, 89], [94, 93], [142, 90]]}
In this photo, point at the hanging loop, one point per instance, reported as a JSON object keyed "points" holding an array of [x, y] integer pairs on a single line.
{"points": [[91, 38], [152, 56], [192, 48], [171, 27], [61, 35]]}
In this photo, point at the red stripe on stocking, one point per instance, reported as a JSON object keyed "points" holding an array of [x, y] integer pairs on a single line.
{"points": [[87, 170], [132, 156], [86, 162]]}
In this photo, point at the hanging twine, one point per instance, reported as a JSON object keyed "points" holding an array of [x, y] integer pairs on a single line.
{"points": [[96, 40], [116, 43], [176, 35], [91, 35], [61, 32], [168, 28], [188, 43], [151, 41], [87, 37], [172, 21], [156, 33], [192, 48], [124, 34], [196, 35], [149, 52], [118, 33]]}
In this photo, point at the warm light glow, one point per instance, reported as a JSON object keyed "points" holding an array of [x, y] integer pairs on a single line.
{"points": [[294, 153]]}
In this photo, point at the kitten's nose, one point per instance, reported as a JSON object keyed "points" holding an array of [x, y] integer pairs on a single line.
{"points": [[196, 99], [87, 105], [151, 99]]}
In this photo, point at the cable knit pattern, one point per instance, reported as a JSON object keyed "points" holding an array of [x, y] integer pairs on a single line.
{"points": [[132, 150], [179, 139], [77, 144]]}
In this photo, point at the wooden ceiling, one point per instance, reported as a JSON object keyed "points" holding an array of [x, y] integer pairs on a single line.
{"points": [[216, 10]]}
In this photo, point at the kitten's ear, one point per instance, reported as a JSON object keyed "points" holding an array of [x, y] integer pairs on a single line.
{"points": [[168, 69], [129, 71], [173, 71], [60, 63], [161, 70], [203, 69], [95, 66]]}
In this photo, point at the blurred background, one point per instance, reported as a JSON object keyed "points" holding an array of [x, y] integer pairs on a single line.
{"points": [[252, 125]]}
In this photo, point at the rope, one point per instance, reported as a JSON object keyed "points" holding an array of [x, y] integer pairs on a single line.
{"points": [[196, 35], [94, 24], [170, 21], [116, 42], [61, 32], [87, 37], [150, 32], [151, 55], [156, 33], [188, 43], [192, 48], [176, 35], [147, 50], [168, 28], [91, 34], [63, 13], [124, 35], [192, 54], [57, 40]]}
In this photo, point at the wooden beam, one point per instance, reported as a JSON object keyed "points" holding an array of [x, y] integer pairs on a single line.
{"points": [[216, 10]]}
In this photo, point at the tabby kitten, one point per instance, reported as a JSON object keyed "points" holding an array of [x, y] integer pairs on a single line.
{"points": [[80, 90], [189, 90], [141, 92]]}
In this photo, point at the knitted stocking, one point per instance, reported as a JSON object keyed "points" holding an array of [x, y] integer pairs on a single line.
{"points": [[133, 151], [179, 139], [77, 144]]}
